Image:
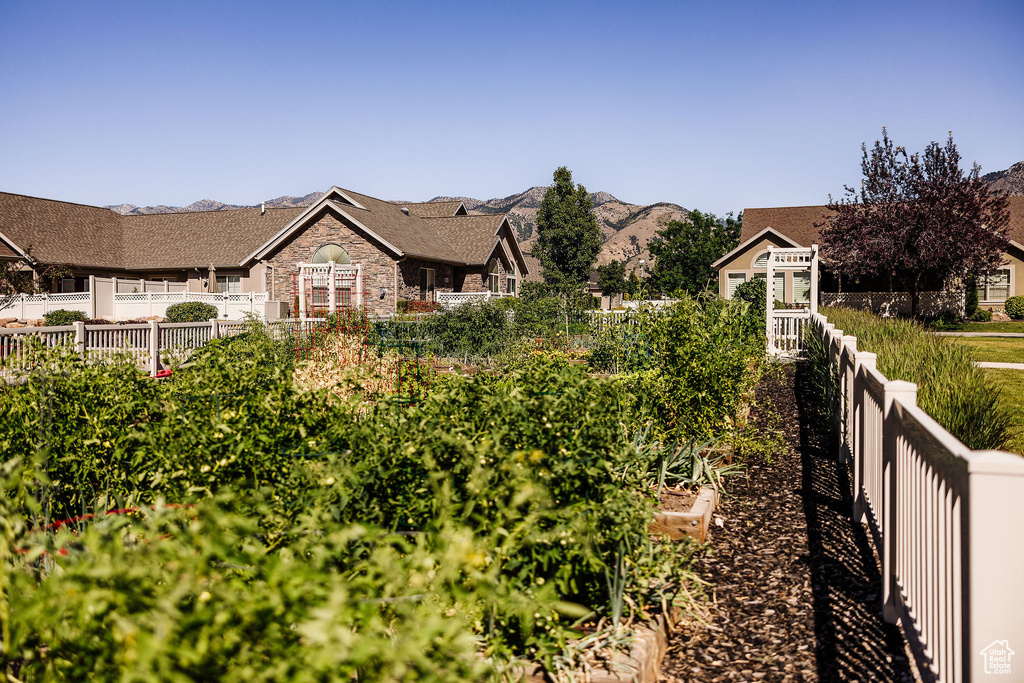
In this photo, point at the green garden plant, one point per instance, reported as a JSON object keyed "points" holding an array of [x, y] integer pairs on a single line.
{"points": [[63, 317], [191, 312], [1015, 307]]}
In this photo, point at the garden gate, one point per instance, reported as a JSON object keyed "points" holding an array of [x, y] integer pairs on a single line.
{"points": [[785, 328]]}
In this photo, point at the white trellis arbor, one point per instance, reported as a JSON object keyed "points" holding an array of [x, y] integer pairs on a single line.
{"points": [[325, 288], [785, 327]]}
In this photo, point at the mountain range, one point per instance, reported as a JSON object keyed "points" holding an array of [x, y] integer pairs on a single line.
{"points": [[626, 228]]}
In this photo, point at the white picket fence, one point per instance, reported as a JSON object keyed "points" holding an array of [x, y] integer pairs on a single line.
{"points": [[453, 299], [948, 522], [163, 342]]}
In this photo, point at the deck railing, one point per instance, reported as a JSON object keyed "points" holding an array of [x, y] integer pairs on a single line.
{"points": [[948, 522]]}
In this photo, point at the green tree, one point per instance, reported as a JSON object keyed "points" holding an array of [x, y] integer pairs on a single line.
{"points": [[683, 251], [611, 278], [568, 237], [918, 220]]}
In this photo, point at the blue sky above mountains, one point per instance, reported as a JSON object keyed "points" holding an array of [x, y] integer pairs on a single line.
{"points": [[716, 106]]}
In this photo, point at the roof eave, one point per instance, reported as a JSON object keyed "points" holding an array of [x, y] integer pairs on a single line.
{"points": [[767, 231]]}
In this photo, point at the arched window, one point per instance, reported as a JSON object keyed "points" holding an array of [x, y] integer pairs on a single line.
{"points": [[331, 253], [762, 260]]}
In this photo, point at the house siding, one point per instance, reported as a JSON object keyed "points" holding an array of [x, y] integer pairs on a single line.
{"points": [[743, 262]]}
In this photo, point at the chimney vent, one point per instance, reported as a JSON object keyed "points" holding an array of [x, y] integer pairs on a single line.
{"points": [[405, 210], [263, 208]]}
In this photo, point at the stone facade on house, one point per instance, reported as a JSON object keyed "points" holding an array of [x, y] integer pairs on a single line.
{"points": [[378, 266]]}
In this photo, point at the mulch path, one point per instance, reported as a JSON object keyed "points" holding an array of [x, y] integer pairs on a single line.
{"points": [[793, 581]]}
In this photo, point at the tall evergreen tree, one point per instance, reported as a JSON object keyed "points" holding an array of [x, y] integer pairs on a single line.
{"points": [[568, 237]]}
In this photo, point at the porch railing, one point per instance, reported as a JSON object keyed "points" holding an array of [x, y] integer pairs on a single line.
{"points": [[948, 522]]}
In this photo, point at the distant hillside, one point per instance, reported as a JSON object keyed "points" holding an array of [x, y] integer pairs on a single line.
{"points": [[1010, 181], [213, 205], [626, 228]]}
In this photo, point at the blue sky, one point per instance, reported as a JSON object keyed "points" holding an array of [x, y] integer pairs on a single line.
{"points": [[711, 105]]}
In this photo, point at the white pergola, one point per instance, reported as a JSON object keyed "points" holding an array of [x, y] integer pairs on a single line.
{"points": [[331, 279], [784, 328]]}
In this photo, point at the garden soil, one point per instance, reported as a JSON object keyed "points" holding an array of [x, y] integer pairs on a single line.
{"points": [[793, 582]]}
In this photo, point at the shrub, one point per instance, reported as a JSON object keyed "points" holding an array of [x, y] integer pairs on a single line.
{"points": [[191, 312], [971, 298], [422, 306], [63, 317], [1015, 307], [755, 293], [982, 316]]}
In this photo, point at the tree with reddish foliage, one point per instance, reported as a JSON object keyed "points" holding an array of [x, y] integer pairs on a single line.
{"points": [[917, 219]]}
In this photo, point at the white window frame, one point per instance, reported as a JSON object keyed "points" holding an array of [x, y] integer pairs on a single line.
{"points": [[494, 278], [985, 288], [229, 284], [802, 275], [729, 276]]}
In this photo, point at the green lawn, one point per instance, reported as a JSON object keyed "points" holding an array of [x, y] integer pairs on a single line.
{"points": [[1011, 326], [994, 349], [1012, 384]]}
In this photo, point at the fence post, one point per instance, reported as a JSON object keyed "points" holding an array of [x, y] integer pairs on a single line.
{"points": [[867, 360], [994, 547], [154, 348], [92, 297], [906, 394], [848, 350], [214, 328], [79, 337], [769, 301], [46, 303]]}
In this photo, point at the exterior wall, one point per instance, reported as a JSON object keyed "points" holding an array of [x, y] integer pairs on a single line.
{"points": [[743, 262], [1015, 263], [409, 278], [378, 265]]}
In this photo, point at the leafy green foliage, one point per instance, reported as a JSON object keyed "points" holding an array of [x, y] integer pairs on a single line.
{"points": [[63, 317], [702, 352], [568, 237], [683, 251], [611, 278], [390, 542], [191, 312], [1015, 307], [971, 297], [755, 293], [982, 315]]}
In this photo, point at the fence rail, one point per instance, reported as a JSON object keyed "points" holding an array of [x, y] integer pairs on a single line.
{"points": [[948, 522], [164, 342]]}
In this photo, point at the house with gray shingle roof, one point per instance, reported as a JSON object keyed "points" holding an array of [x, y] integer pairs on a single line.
{"points": [[793, 226], [389, 251]]}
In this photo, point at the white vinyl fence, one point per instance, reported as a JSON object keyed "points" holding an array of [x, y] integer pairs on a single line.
{"points": [[118, 298], [948, 522], [145, 342]]}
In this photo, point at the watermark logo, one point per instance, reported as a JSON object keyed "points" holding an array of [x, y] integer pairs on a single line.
{"points": [[997, 657]]}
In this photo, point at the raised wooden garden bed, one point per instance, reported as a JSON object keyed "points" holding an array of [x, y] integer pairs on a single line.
{"points": [[641, 664], [677, 523]]}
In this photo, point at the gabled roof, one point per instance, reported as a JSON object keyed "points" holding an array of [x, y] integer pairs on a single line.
{"points": [[458, 239], [754, 238], [199, 238], [436, 209], [797, 222], [52, 231]]}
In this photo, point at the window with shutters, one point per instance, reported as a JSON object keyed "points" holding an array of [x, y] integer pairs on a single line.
{"points": [[734, 281]]}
